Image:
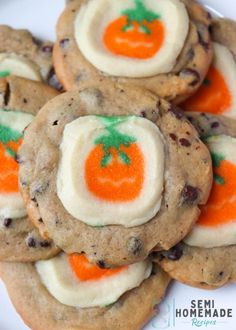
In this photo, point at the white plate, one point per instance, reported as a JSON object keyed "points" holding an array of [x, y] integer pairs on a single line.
{"points": [[40, 17]]}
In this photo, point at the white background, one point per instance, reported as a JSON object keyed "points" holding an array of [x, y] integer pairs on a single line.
{"points": [[40, 17]]}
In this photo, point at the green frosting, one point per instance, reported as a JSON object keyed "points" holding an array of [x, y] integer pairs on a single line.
{"points": [[7, 135], [139, 14], [216, 161], [114, 139], [4, 73]]}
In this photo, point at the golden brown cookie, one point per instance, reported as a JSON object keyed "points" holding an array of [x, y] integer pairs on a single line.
{"points": [[176, 83], [183, 190], [40, 310], [24, 55], [206, 257], [20, 100]]}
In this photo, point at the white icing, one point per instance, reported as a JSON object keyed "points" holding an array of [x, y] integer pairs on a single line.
{"points": [[11, 204], [223, 234], [15, 120], [58, 277], [95, 16], [223, 145], [224, 62], [19, 66], [78, 141], [209, 237]]}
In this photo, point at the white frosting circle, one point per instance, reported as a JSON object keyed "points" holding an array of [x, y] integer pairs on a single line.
{"points": [[96, 15], [11, 204], [77, 143], [58, 277], [222, 234], [19, 66]]}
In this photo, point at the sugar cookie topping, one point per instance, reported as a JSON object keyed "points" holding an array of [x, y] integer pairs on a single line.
{"points": [[111, 163], [114, 169], [217, 223], [138, 33], [74, 281], [217, 95], [12, 64], [133, 38], [12, 124]]}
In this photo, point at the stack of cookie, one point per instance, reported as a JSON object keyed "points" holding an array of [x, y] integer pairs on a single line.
{"points": [[113, 176]]}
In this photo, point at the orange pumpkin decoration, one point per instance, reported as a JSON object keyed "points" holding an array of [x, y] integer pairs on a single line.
{"points": [[86, 271], [138, 33], [221, 207], [213, 96], [114, 169], [10, 142]]}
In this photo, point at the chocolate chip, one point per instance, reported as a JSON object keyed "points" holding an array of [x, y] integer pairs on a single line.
{"points": [[143, 114], [40, 220], [45, 244], [55, 123], [135, 246], [173, 136], [190, 72], [101, 264], [189, 195], [7, 222], [47, 49], [18, 160], [215, 124], [175, 253], [53, 81], [184, 142], [64, 42], [25, 100], [177, 112], [31, 242], [221, 273]]}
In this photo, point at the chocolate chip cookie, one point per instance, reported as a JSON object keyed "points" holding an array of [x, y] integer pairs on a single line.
{"points": [[132, 45], [121, 216], [20, 100]]}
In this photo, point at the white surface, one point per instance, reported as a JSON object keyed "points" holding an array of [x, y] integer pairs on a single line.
{"points": [[40, 17]]}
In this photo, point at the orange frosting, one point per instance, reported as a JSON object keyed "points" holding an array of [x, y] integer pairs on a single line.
{"points": [[134, 42], [117, 181], [9, 168], [221, 207], [214, 95], [86, 271]]}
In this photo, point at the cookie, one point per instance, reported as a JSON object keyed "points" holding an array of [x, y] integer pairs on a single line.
{"points": [[20, 100], [40, 310], [199, 267], [117, 217], [206, 257], [217, 95], [208, 124], [132, 45], [23, 55]]}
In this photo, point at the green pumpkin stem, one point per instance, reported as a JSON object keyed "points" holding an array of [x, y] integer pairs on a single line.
{"points": [[139, 14], [114, 139], [4, 74], [7, 135], [216, 161]]}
